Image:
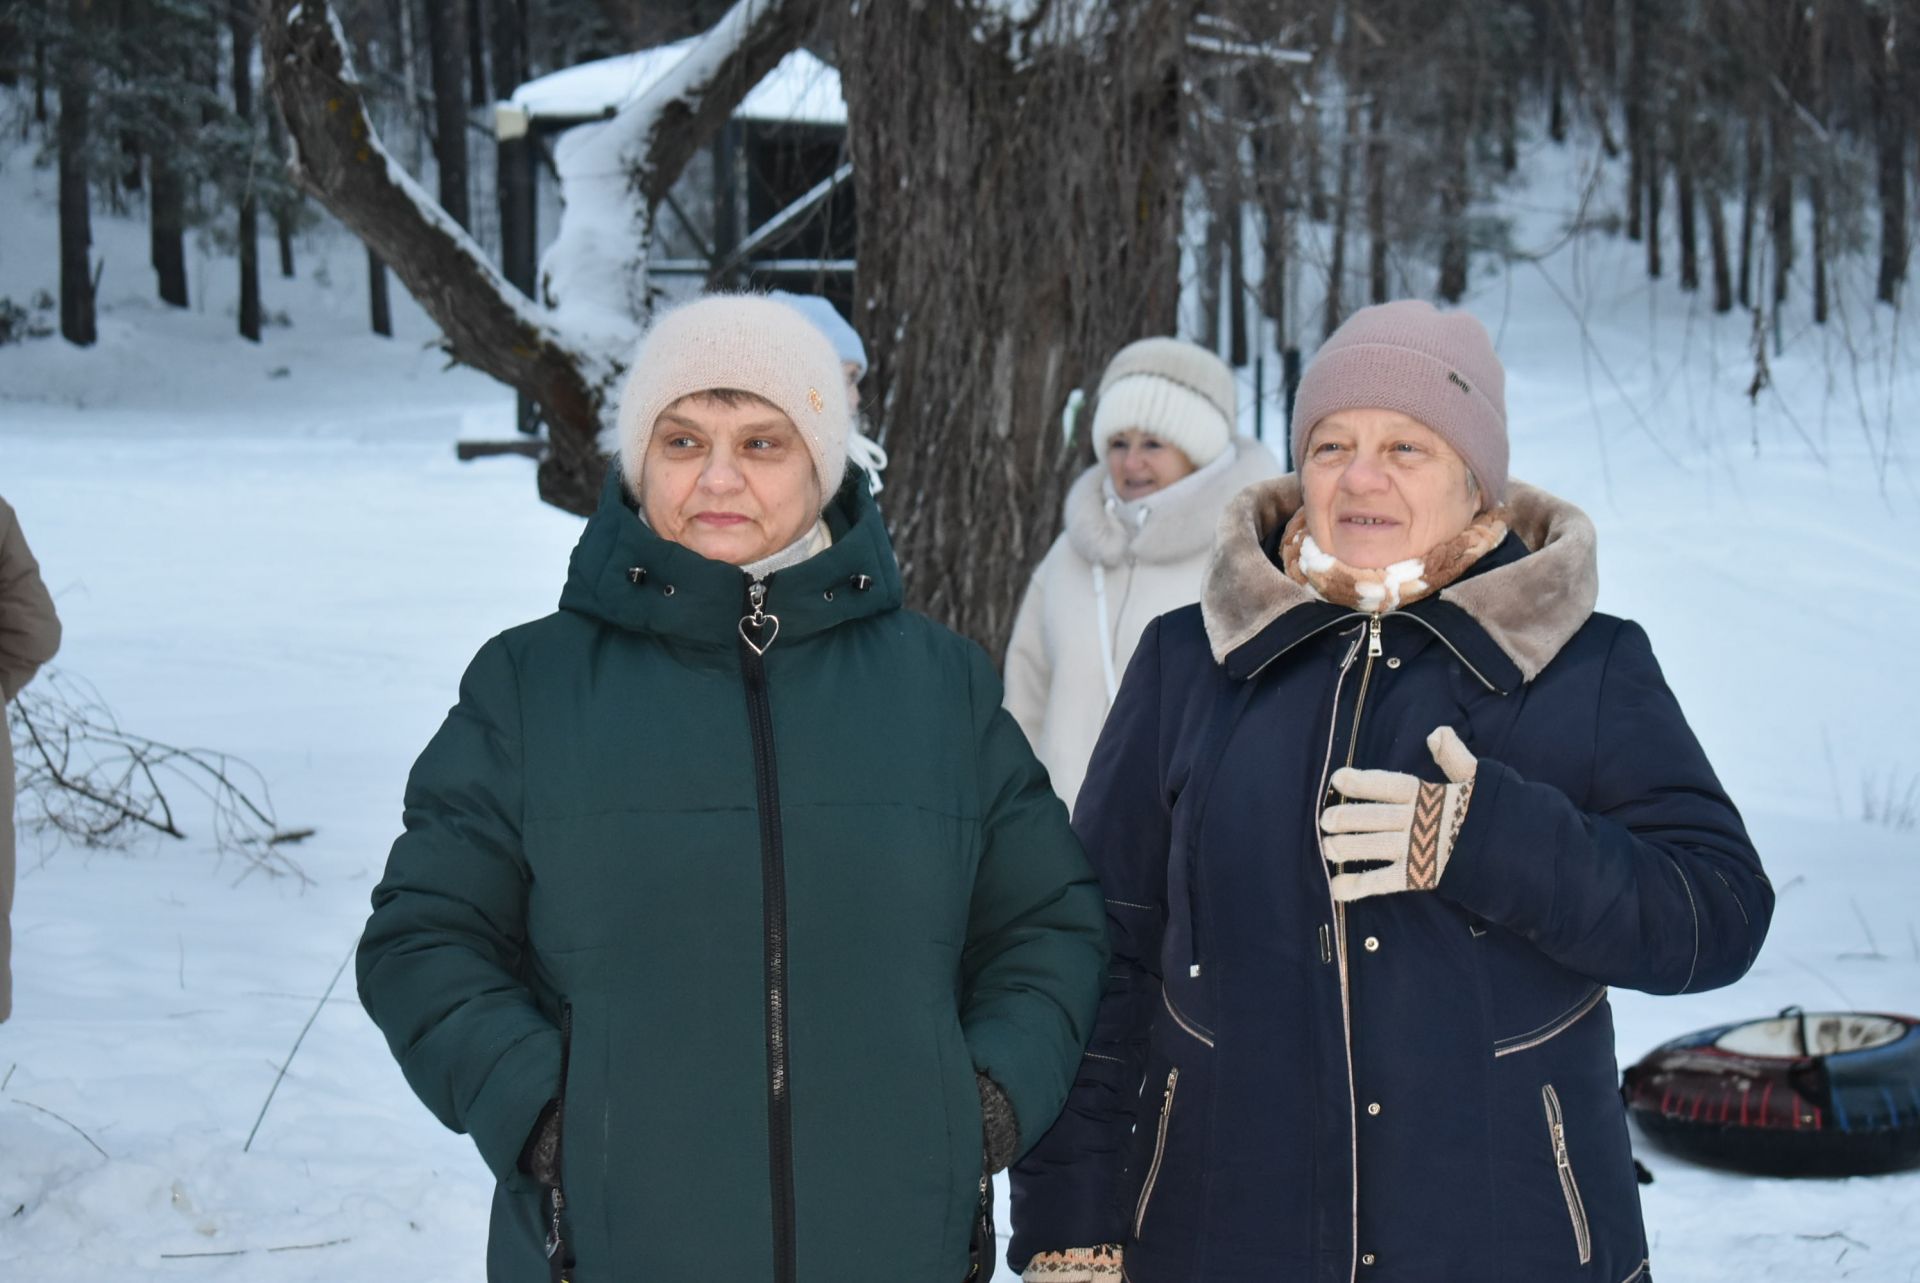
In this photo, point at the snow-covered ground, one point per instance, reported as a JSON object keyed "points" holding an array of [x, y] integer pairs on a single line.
{"points": [[272, 551]]}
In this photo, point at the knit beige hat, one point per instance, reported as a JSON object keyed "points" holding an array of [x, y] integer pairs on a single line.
{"points": [[1437, 367], [1171, 389], [747, 343]]}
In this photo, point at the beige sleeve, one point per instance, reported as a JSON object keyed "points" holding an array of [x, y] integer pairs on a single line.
{"points": [[29, 629], [1029, 669]]}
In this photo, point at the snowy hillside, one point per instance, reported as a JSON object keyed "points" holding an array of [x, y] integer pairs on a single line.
{"points": [[272, 551]]}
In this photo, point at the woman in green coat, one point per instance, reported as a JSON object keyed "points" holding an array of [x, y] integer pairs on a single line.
{"points": [[733, 918]]}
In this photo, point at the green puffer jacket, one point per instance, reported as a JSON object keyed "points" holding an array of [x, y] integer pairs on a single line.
{"points": [[784, 907]]}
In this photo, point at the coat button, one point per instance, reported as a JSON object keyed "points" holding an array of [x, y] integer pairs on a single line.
{"points": [[1374, 1109], [1373, 944], [1366, 1258], [1393, 662], [861, 582]]}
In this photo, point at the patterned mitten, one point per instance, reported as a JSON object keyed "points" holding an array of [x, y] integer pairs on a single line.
{"points": [[1075, 1265], [1397, 831]]}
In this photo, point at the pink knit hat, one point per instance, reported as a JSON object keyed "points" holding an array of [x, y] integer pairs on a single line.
{"points": [[1437, 367], [747, 343]]}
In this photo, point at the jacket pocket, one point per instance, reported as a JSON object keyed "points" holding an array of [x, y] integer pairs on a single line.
{"points": [[1159, 1151], [1569, 1188]]}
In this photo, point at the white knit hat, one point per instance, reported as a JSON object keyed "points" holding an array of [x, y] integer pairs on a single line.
{"points": [[1171, 389], [747, 343]]}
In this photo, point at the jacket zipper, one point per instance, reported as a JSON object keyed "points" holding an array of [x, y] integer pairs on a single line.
{"points": [[1569, 1189], [559, 1266], [1553, 1028], [1159, 1151], [773, 898], [1339, 945]]}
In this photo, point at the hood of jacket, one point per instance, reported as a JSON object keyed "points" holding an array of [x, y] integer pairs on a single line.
{"points": [[1528, 606], [1170, 525], [627, 576]]}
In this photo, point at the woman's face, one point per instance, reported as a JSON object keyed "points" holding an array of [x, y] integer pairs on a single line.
{"points": [[1142, 463], [1381, 487], [734, 482]]}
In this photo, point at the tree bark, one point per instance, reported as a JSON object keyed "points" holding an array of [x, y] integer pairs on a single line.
{"points": [[75, 73], [1077, 229], [447, 50], [487, 323], [1781, 220], [240, 24]]}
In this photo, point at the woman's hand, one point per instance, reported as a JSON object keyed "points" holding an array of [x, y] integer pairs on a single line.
{"points": [[1399, 826]]}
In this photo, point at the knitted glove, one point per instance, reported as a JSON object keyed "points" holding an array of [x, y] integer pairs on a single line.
{"points": [[1000, 1129], [1075, 1265], [1398, 826], [540, 1156]]}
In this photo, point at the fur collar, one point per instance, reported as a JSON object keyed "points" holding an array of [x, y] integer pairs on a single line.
{"points": [[1530, 608], [1173, 525]]}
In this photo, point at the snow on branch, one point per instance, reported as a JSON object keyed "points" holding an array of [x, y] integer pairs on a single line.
{"points": [[614, 175]]}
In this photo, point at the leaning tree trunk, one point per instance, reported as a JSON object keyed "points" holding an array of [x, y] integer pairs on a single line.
{"points": [[1002, 261], [487, 323]]}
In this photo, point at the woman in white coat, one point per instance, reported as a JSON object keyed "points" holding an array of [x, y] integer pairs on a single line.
{"points": [[1139, 525]]}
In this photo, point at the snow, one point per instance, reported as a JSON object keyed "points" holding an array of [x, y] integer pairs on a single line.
{"points": [[271, 550], [594, 273], [801, 89]]}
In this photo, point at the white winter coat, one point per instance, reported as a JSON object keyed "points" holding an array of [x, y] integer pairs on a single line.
{"points": [[1115, 566]]}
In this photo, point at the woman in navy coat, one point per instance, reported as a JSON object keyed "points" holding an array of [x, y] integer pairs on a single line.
{"points": [[1379, 823]]}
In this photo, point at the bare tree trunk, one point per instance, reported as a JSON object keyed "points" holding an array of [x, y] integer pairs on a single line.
{"points": [[1749, 210], [1456, 183], [1377, 242], [1236, 282], [1213, 265], [168, 194], [1639, 89], [1893, 126], [1781, 220], [1656, 191], [975, 356], [1336, 310], [1817, 177], [379, 307], [75, 74], [476, 25], [284, 213], [240, 23], [447, 47], [1717, 240]]}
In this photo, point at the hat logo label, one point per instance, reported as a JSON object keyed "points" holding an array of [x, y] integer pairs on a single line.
{"points": [[818, 402], [1458, 382]]}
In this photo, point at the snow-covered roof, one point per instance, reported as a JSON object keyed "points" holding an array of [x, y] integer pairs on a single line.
{"points": [[801, 89]]}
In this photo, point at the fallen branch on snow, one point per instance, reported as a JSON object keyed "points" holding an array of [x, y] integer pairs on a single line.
{"points": [[84, 777]]}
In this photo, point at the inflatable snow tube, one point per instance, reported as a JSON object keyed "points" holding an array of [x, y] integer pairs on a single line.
{"points": [[1799, 1094]]}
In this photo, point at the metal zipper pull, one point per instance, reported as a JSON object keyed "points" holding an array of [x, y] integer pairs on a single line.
{"points": [[1326, 943], [763, 625], [1373, 637]]}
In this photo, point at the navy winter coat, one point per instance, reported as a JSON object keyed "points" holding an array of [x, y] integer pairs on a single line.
{"points": [[1409, 1087]]}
